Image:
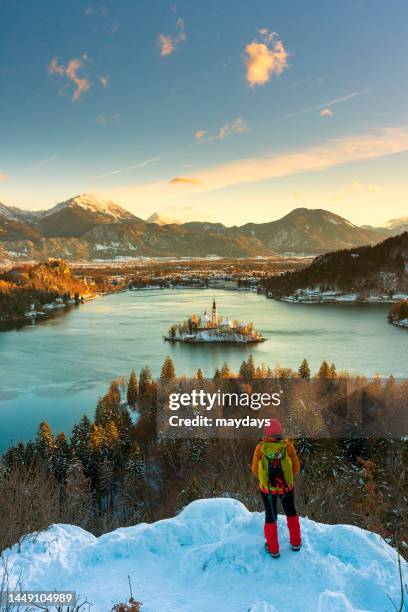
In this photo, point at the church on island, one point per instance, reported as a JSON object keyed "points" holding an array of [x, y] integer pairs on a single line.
{"points": [[213, 329]]}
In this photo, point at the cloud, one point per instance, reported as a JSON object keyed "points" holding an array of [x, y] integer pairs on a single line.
{"points": [[266, 58], [70, 72], [355, 185], [373, 189], [298, 195], [387, 141], [184, 180], [238, 126], [326, 112], [104, 80], [142, 164], [101, 120], [328, 104], [167, 43], [318, 158], [3, 176]]}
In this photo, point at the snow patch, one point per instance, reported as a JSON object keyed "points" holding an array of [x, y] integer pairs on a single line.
{"points": [[211, 557]]}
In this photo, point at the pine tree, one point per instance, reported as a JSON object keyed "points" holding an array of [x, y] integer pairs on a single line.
{"points": [[132, 390], [61, 458], [167, 372], [225, 372], [199, 374], [78, 497], [243, 370], [324, 371], [106, 482], [217, 374], [145, 381], [108, 407], [251, 367], [304, 370], [333, 371], [125, 429], [81, 442], [135, 466], [247, 369], [45, 444]]}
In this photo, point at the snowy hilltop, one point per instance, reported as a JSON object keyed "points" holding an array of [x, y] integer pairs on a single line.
{"points": [[211, 557]]}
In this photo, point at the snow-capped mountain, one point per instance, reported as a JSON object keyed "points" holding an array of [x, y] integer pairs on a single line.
{"points": [[211, 557], [162, 219], [396, 226], [74, 217], [178, 216], [7, 213], [306, 230], [92, 204], [86, 227]]}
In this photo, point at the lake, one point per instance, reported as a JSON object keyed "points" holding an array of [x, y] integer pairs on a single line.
{"points": [[55, 370]]}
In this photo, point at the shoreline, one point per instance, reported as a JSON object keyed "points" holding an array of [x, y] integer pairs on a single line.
{"points": [[340, 298]]}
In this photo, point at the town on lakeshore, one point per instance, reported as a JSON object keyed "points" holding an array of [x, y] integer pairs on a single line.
{"points": [[213, 329]]}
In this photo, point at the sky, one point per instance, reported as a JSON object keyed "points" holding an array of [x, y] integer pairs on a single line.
{"points": [[233, 111]]}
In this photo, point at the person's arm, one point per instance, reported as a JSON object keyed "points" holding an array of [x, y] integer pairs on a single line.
{"points": [[255, 460], [295, 459]]}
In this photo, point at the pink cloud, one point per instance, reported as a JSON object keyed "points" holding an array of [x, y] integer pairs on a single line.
{"points": [[265, 58], [167, 43], [70, 72]]}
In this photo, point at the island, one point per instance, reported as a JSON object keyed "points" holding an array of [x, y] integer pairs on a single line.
{"points": [[213, 329]]}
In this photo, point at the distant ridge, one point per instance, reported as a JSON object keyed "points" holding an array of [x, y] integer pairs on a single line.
{"points": [[89, 228]]}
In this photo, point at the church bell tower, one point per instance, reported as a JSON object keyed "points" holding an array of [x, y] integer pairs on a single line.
{"points": [[214, 315]]}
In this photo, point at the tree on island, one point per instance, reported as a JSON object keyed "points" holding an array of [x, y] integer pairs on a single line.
{"points": [[199, 374], [167, 372], [304, 370], [132, 390]]}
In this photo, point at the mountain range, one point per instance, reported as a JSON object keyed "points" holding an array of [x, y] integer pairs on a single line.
{"points": [[87, 228], [378, 270]]}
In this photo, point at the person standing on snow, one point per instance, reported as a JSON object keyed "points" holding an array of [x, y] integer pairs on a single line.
{"points": [[275, 463]]}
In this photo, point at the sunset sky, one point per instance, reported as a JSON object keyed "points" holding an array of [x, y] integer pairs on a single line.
{"points": [[229, 110]]}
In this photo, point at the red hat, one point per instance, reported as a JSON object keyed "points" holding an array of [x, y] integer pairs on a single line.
{"points": [[274, 429]]}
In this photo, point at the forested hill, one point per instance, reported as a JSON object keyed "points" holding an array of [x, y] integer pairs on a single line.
{"points": [[382, 268], [37, 284]]}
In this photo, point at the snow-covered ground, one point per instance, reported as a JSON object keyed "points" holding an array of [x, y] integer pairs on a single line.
{"points": [[315, 296], [401, 323], [211, 558]]}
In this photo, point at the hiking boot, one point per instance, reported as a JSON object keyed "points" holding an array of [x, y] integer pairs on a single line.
{"points": [[274, 555], [296, 548]]}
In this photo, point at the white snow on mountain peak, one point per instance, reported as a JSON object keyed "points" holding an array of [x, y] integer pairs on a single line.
{"points": [[7, 213], [93, 204], [178, 216], [211, 557]]}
